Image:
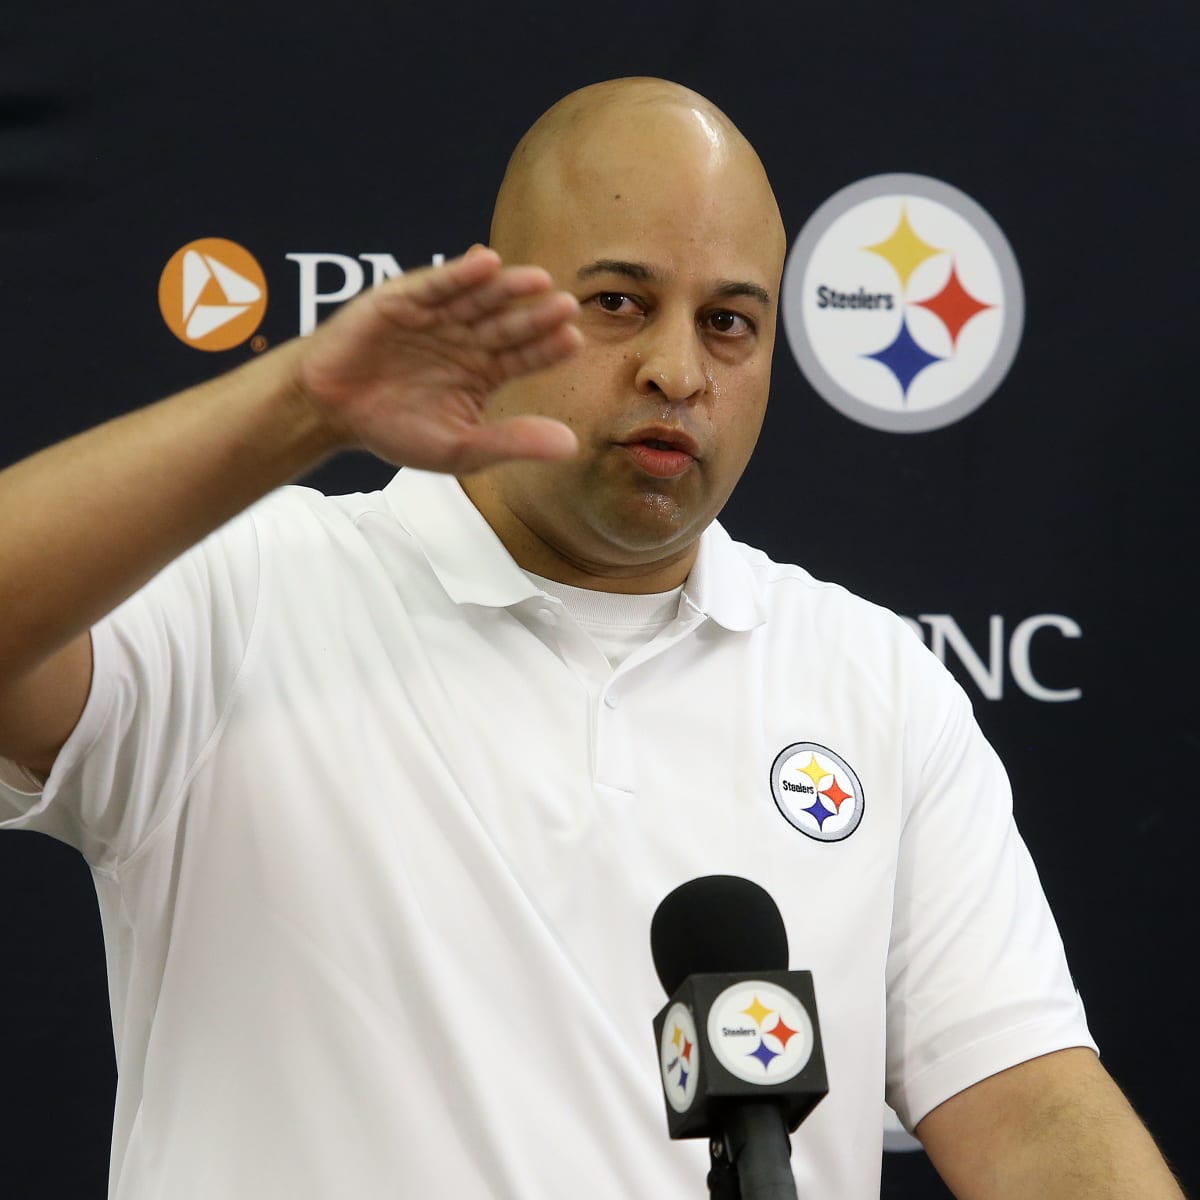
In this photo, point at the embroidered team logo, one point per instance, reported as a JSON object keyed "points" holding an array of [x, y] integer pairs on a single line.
{"points": [[679, 1057], [817, 791]]}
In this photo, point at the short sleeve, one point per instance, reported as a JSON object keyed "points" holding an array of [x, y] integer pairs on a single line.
{"points": [[165, 666], [977, 977]]}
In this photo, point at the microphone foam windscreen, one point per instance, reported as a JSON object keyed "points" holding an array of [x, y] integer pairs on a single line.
{"points": [[716, 923]]}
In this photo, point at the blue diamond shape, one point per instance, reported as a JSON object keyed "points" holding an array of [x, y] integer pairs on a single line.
{"points": [[764, 1054], [904, 358], [819, 812]]}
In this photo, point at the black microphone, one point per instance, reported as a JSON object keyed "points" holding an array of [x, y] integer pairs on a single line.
{"points": [[739, 1043]]}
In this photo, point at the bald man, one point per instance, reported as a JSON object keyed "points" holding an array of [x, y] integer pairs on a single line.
{"points": [[380, 792]]}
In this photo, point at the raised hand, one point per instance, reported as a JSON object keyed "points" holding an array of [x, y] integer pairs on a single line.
{"points": [[405, 371]]}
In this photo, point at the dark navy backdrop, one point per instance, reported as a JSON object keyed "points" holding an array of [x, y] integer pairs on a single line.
{"points": [[369, 128]]}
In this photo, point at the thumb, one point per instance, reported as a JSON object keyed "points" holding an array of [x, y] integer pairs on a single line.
{"points": [[539, 438]]}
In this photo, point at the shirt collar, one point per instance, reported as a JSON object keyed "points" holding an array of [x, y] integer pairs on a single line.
{"points": [[723, 585], [467, 557], [474, 567]]}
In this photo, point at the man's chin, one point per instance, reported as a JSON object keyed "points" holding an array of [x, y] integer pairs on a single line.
{"points": [[657, 527]]}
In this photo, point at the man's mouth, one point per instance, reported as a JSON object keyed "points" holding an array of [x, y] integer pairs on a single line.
{"points": [[662, 453]]}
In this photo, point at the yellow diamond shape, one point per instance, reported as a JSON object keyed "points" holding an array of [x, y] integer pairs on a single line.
{"points": [[757, 1011], [906, 250], [814, 771]]}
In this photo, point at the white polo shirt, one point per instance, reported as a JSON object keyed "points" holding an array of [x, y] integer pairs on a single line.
{"points": [[377, 834]]}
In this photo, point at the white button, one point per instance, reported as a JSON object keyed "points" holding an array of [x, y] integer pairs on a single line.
{"points": [[612, 699], [546, 616]]}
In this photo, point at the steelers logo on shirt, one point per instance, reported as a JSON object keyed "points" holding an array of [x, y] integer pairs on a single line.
{"points": [[817, 791]]}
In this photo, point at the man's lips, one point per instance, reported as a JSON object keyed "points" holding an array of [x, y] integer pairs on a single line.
{"points": [[661, 452]]}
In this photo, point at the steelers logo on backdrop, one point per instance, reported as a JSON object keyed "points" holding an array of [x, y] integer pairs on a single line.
{"points": [[902, 303], [212, 294], [760, 1033], [679, 1057], [817, 791]]}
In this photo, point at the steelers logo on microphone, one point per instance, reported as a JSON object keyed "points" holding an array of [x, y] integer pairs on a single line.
{"points": [[679, 1056], [760, 1033], [903, 303]]}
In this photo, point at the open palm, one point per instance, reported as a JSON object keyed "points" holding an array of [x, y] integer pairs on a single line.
{"points": [[406, 370]]}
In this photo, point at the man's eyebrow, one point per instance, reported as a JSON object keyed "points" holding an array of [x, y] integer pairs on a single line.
{"points": [[643, 273], [615, 266], [731, 287]]}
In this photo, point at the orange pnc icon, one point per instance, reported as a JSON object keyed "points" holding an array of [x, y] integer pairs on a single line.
{"points": [[212, 294]]}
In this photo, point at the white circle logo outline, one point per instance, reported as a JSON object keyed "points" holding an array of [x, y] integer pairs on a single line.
{"points": [[679, 1017], [741, 1017], [793, 313], [781, 794]]}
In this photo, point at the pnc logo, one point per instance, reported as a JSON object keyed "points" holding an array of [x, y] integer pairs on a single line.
{"points": [[212, 294], [987, 670]]}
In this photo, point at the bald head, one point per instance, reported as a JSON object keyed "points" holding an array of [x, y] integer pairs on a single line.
{"points": [[628, 141], [643, 200]]}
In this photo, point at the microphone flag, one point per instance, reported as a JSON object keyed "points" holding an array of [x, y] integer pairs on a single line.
{"points": [[726, 1038]]}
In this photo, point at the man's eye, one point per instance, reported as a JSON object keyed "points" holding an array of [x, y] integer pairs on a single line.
{"points": [[728, 322], [616, 302]]}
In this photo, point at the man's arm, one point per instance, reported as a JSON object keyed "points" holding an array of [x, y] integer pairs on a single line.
{"points": [[1054, 1128], [405, 372]]}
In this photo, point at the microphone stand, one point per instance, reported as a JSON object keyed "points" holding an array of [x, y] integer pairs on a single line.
{"points": [[750, 1162]]}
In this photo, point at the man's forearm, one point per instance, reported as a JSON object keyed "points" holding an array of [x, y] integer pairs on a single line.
{"points": [[1089, 1151], [1053, 1128], [403, 371], [84, 523]]}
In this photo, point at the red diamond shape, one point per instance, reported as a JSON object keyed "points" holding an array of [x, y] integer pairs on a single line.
{"points": [[954, 306]]}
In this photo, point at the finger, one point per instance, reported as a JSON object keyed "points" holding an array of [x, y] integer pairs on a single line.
{"points": [[513, 283], [552, 348], [517, 437], [432, 286], [512, 327]]}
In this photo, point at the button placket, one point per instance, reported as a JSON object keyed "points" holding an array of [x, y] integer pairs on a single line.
{"points": [[615, 764]]}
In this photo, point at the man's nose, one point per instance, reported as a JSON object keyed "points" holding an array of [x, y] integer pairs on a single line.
{"points": [[673, 363]]}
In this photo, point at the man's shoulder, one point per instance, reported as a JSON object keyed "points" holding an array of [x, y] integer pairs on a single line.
{"points": [[787, 586], [304, 516], [829, 618], [301, 504], [292, 529]]}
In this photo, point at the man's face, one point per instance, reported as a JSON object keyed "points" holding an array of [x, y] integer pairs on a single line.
{"points": [[674, 252]]}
